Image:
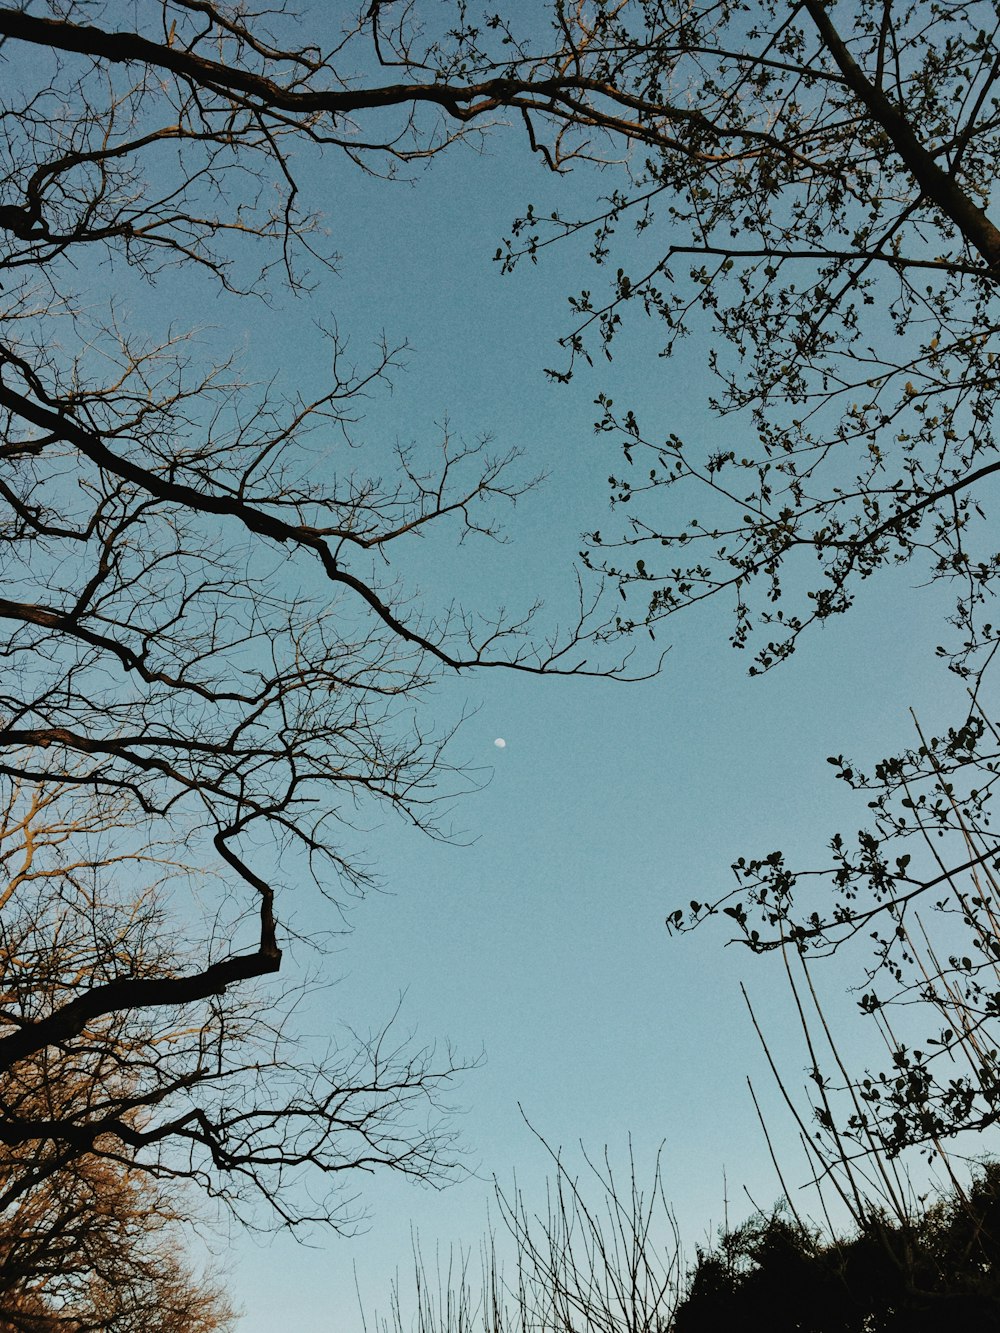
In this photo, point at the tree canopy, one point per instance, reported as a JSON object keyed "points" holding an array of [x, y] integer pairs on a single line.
{"points": [[821, 233], [824, 221], [831, 238], [211, 647], [935, 1267]]}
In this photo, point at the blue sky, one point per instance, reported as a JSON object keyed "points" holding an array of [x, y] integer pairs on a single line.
{"points": [[533, 941], [538, 937]]}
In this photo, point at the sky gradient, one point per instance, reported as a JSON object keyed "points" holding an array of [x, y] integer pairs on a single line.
{"points": [[536, 938]]}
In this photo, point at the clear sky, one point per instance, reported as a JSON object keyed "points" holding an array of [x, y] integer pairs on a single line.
{"points": [[537, 938]]}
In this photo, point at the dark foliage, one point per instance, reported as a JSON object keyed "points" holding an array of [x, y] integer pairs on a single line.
{"points": [[939, 1269]]}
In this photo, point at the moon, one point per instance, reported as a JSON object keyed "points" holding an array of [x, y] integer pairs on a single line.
{"points": [[500, 743]]}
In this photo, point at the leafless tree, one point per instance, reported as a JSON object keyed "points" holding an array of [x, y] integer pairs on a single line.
{"points": [[109, 1137], [90, 1230], [603, 1256], [95, 1246], [208, 617], [212, 660]]}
